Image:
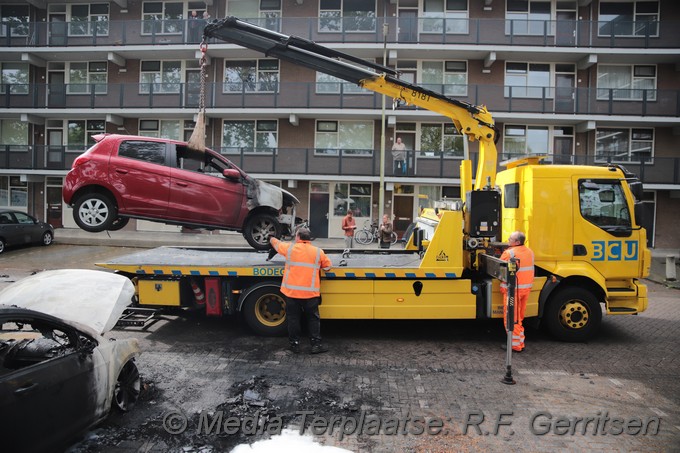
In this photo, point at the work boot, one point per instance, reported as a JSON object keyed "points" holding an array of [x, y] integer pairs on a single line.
{"points": [[318, 348], [294, 347]]}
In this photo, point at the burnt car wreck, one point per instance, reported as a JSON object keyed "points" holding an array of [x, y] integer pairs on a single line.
{"points": [[58, 375]]}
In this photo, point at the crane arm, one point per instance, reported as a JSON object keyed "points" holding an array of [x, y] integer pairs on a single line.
{"points": [[473, 121]]}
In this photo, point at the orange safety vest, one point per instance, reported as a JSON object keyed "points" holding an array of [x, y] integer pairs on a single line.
{"points": [[301, 278], [525, 273]]}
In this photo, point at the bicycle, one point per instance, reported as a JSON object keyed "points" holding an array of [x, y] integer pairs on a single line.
{"points": [[370, 233]]}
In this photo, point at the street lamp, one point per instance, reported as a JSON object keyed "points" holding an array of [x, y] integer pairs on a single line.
{"points": [[381, 193]]}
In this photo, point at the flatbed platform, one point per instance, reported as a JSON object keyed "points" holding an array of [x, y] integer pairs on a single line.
{"points": [[217, 261]]}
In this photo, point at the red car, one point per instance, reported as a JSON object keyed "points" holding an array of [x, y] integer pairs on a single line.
{"points": [[124, 176]]}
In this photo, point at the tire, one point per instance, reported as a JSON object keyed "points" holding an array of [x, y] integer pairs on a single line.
{"points": [[264, 311], [259, 228], [128, 387], [119, 223], [573, 314], [94, 212], [2, 245], [363, 237], [47, 238], [393, 238]]}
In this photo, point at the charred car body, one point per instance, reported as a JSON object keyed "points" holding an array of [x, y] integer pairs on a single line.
{"points": [[123, 177], [58, 375]]}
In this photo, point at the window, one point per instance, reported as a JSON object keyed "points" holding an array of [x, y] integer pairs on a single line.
{"points": [[603, 203], [162, 18], [636, 18], [352, 137], [436, 139], [152, 152], [626, 83], [14, 20], [259, 136], [18, 192], [527, 80], [511, 195], [354, 197], [14, 78], [624, 145], [347, 16], [265, 13], [525, 140], [89, 19], [448, 16], [528, 17], [160, 76], [80, 132], [251, 75], [328, 84], [169, 129], [84, 78], [15, 134], [447, 77]]}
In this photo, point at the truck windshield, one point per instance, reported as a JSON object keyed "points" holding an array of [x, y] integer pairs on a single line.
{"points": [[603, 203]]}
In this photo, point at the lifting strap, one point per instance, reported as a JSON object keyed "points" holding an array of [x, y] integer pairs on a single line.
{"points": [[197, 139]]}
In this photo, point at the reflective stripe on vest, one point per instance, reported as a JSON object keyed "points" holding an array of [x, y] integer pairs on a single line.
{"points": [[314, 284], [529, 268]]}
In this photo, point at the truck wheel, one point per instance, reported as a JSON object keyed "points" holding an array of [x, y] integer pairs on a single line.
{"points": [[573, 314], [264, 311], [94, 212], [259, 228]]}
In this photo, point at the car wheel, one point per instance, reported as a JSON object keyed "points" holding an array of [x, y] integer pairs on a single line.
{"points": [[94, 212], [119, 223], [259, 229], [47, 238], [128, 386], [2, 245]]}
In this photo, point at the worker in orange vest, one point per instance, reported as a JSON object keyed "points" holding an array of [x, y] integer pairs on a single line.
{"points": [[525, 279], [301, 286]]}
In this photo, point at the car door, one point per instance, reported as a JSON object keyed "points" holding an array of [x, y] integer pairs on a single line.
{"points": [[28, 230], [9, 228], [139, 173], [200, 193], [43, 404]]}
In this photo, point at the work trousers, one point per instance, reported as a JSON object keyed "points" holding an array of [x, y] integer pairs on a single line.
{"points": [[521, 298], [295, 310]]}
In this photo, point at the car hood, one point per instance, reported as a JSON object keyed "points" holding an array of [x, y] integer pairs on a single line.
{"points": [[95, 299], [262, 193]]}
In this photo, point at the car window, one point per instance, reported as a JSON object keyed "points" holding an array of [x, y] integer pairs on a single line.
{"points": [[24, 218], [25, 342], [152, 152], [6, 218]]}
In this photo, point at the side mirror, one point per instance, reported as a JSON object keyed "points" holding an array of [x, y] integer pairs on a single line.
{"points": [[231, 173]]}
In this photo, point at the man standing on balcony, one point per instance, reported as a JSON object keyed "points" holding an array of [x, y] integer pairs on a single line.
{"points": [[195, 29], [348, 226], [399, 156]]}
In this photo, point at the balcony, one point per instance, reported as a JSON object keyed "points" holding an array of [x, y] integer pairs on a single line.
{"points": [[357, 163], [427, 30], [50, 100]]}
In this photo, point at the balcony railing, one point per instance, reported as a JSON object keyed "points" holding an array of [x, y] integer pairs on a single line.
{"points": [[423, 30], [309, 161], [297, 95]]}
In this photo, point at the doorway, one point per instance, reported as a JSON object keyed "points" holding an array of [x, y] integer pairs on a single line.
{"points": [[56, 89], [564, 93], [55, 149], [408, 25], [319, 201], [58, 30], [566, 28], [54, 206]]}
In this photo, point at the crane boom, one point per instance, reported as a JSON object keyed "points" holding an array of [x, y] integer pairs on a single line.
{"points": [[470, 120]]}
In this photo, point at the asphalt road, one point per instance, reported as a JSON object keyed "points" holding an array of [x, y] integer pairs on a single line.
{"points": [[440, 371]]}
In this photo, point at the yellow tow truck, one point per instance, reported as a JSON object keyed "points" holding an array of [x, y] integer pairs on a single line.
{"points": [[582, 223]]}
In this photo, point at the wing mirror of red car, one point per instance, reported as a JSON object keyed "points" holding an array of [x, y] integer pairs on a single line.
{"points": [[231, 173]]}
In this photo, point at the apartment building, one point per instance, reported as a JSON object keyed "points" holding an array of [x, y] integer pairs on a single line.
{"points": [[582, 82]]}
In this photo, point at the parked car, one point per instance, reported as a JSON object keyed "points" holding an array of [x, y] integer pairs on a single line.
{"points": [[123, 177], [58, 375], [19, 228]]}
